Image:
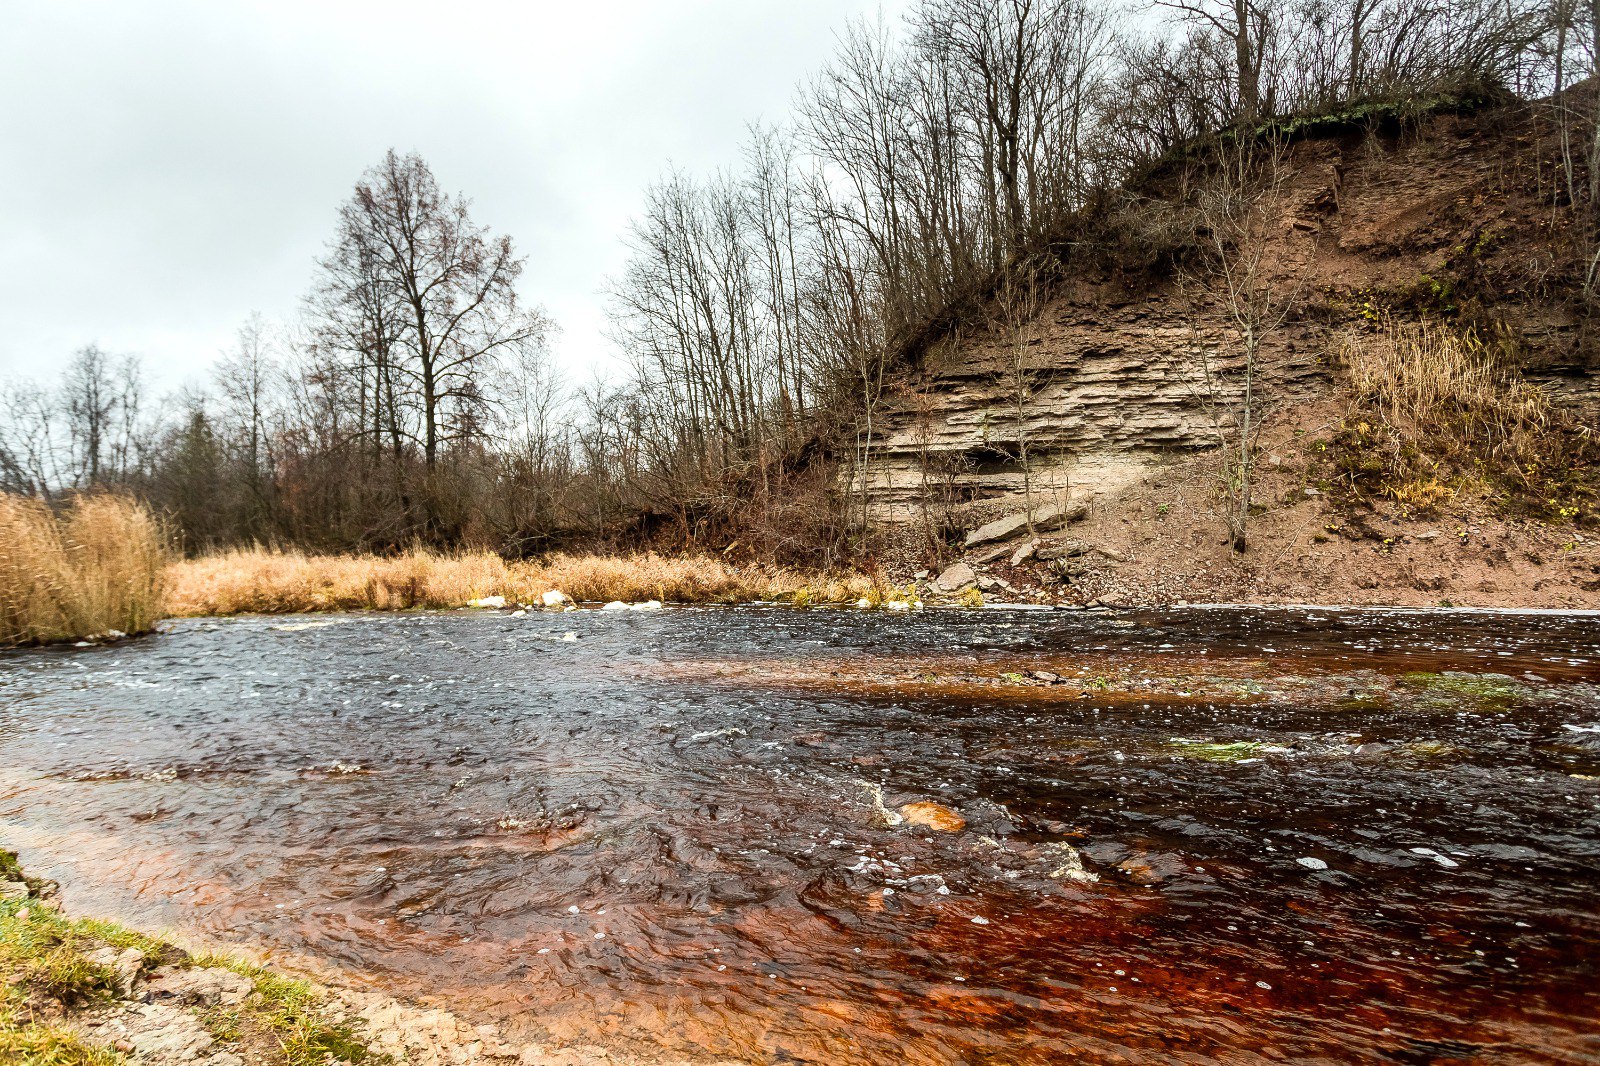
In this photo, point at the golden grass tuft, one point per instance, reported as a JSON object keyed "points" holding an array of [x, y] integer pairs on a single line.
{"points": [[272, 582], [1435, 414], [1426, 380], [95, 566]]}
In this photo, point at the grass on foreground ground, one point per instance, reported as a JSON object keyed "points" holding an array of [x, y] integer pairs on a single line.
{"points": [[271, 582], [47, 976]]}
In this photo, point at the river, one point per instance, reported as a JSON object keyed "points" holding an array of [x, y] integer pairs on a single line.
{"points": [[1196, 835]]}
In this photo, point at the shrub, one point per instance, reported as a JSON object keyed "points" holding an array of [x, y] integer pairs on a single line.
{"points": [[94, 566]]}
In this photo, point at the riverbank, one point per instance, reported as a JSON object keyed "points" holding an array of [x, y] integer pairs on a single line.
{"points": [[1158, 547], [1161, 542], [271, 582], [79, 991]]}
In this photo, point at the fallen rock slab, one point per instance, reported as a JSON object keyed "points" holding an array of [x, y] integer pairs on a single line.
{"points": [[1045, 517]]}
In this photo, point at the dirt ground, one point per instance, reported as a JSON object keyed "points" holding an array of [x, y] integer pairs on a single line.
{"points": [[1164, 542]]}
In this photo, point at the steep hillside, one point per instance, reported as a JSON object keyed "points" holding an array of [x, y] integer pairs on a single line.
{"points": [[1448, 218]]}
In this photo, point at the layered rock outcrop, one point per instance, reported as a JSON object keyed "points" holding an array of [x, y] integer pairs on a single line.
{"points": [[1117, 373]]}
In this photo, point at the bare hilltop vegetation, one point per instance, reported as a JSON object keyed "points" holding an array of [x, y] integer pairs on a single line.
{"points": [[1249, 302]]}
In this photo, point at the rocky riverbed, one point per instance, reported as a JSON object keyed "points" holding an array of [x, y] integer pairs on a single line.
{"points": [[773, 834], [81, 991]]}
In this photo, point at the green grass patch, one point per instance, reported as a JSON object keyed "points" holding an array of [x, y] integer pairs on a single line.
{"points": [[43, 961], [42, 954], [1484, 692], [30, 1044], [289, 1009]]}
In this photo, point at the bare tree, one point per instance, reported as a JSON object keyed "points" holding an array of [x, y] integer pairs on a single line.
{"points": [[1014, 321], [248, 379], [1247, 26], [1238, 203], [100, 400], [29, 439], [436, 292], [425, 300]]}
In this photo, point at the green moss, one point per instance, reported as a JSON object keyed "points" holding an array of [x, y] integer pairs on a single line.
{"points": [[1429, 749], [1490, 692], [1365, 702], [1234, 752]]}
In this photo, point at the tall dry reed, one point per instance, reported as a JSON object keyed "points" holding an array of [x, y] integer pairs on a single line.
{"points": [[1436, 415], [96, 566], [1432, 384], [273, 582]]}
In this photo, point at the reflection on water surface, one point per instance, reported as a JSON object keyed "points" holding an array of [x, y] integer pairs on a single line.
{"points": [[1349, 836]]}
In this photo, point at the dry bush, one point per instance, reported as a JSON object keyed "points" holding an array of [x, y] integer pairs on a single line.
{"points": [[96, 566], [1435, 411], [271, 582], [1430, 382]]}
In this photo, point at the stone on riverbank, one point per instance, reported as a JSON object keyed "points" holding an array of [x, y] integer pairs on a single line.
{"points": [[956, 578], [1047, 516]]}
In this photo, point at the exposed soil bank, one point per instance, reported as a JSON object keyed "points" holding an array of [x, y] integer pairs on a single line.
{"points": [[1162, 543]]}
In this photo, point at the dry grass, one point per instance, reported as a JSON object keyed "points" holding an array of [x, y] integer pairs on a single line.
{"points": [[1435, 414], [271, 582], [96, 566], [1429, 382]]}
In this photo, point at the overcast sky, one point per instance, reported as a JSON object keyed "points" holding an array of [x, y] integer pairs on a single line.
{"points": [[168, 167]]}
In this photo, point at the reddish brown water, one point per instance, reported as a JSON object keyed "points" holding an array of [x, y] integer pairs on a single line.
{"points": [[660, 834]]}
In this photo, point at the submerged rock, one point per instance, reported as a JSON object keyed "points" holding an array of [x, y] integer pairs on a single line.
{"points": [[875, 794], [1438, 857], [1069, 864], [933, 816]]}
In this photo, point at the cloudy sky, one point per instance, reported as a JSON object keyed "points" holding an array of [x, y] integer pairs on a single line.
{"points": [[168, 167]]}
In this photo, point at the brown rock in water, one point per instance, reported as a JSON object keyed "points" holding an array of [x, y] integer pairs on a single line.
{"points": [[933, 816]]}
